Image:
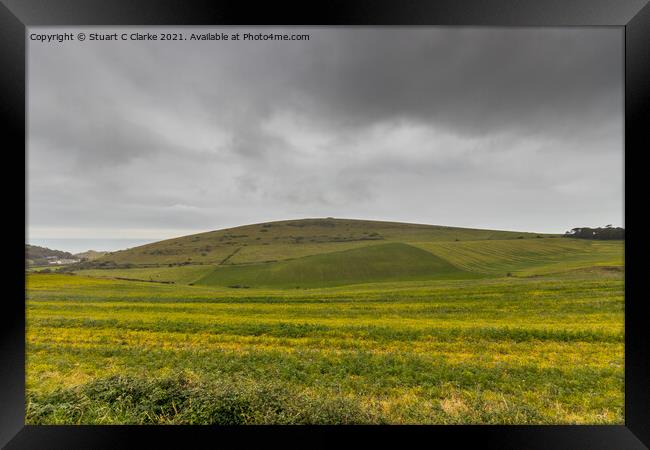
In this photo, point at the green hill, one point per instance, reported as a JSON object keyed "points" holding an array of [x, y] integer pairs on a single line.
{"points": [[329, 252], [35, 255], [90, 255], [385, 262], [276, 241]]}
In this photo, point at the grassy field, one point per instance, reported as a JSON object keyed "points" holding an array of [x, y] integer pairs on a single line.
{"points": [[527, 256], [384, 262], [425, 325]]}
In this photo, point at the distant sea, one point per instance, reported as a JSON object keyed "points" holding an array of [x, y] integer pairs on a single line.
{"points": [[82, 245]]}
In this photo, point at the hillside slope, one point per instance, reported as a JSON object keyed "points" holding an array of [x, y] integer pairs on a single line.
{"points": [[384, 262], [277, 241], [35, 255], [527, 256], [332, 252]]}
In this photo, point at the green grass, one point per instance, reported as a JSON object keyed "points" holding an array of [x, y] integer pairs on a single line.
{"points": [[175, 274], [546, 349], [380, 261], [385, 262], [527, 256]]}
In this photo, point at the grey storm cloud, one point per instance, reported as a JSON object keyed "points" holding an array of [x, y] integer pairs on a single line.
{"points": [[507, 128]]}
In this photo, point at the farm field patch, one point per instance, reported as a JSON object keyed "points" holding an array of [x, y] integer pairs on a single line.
{"points": [[534, 350]]}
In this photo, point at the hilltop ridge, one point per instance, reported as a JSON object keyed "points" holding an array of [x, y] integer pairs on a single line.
{"points": [[286, 239]]}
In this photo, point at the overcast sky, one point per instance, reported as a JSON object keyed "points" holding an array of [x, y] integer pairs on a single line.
{"points": [[518, 129]]}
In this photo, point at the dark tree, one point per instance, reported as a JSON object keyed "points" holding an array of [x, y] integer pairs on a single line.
{"points": [[602, 233]]}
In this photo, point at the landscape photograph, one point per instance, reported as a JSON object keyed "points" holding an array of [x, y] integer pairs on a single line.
{"points": [[327, 226]]}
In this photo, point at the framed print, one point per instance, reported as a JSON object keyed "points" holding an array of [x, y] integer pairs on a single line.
{"points": [[360, 219]]}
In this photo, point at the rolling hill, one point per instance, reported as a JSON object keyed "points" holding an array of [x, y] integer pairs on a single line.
{"points": [[90, 255], [312, 253], [275, 241], [35, 255]]}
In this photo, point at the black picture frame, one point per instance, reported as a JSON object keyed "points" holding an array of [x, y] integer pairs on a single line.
{"points": [[632, 15]]}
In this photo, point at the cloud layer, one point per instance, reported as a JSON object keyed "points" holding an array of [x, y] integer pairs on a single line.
{"points": [[495, 128]]}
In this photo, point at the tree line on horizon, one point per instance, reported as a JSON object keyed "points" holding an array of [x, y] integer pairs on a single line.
{"points": [[607, 232]]}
